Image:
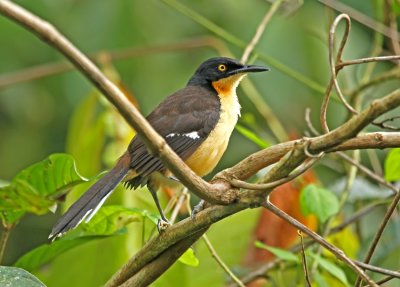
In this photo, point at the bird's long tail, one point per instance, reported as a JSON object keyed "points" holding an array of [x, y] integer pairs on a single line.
{"points": [[90, 202]]}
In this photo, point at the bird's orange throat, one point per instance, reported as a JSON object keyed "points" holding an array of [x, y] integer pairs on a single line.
{"points": [[227, 86]]}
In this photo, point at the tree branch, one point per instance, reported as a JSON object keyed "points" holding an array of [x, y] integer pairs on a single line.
{"points": [[155, 268]]}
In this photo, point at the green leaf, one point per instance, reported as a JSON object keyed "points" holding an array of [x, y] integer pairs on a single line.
{"points": [[278, 252], [331, 268], [17, 277], [46, 252], [188, 258], [318, 201], [52, 176], [252, 136], [110, 219], [392, 165], [35, 188]]}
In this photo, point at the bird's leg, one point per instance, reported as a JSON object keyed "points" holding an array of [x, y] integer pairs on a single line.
{"points": [[162, 223], [197, 208]]}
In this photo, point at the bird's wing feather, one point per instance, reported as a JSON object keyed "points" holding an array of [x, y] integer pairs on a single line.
{"points": [[184, 119]]}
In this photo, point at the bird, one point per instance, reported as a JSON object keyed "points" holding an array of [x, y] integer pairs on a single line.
{"points": [[196, 122]]}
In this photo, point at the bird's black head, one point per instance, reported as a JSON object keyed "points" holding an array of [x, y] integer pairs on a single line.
{"points": [[218, 68]]}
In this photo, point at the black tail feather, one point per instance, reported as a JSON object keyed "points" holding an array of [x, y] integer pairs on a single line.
{"points": [[89, 203]]}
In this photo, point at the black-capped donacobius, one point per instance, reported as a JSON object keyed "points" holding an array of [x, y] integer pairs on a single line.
{"points": [[196, 122]]}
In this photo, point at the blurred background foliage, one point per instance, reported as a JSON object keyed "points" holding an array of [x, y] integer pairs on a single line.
{"points": [[151, 48]]}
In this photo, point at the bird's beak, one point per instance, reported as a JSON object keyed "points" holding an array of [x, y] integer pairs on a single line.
{"points": [[249, 69]]}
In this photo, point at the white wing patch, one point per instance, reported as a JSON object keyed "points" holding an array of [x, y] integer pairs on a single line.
{"points": [[192, 135]]}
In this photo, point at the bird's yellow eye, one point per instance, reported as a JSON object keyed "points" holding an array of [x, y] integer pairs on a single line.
{"points": [[222, 67]]}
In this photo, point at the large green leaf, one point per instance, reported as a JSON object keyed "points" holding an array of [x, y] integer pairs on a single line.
{"points": [[318, 201], [35, 188], [108, 221], [46, 252], [278, 252], [17, 277], [392, 165]]}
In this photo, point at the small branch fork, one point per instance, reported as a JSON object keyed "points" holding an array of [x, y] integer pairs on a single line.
{"points": [[292, 157]]}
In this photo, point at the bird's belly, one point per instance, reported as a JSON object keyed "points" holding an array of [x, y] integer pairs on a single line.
{"points": [[206, 157], [208, 154]]}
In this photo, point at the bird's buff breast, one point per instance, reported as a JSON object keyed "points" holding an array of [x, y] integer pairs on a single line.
{"points": [[206, 157]]}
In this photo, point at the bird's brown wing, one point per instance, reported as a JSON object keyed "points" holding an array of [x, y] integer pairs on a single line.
{"points": [[184, 119]]}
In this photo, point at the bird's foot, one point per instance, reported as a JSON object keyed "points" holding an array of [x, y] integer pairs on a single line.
{"points": [[199, 207], [162, 224]]}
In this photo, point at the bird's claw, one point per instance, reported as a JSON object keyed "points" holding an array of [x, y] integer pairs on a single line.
{"points": [[199, 207], [162, 225]]}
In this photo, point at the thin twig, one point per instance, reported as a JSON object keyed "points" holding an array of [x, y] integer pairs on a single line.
{"points": [[181, 200], [351, 176], [265, 186], [379, 79], [379, 233], [359, 17], [377, 269], [304, 259], [49, 69], [221, 263], [383, 124], [367, 171], [367, 60], [320, 240], [358, 215], [271, 120], [260, 30], [332, 63], [214, 253], [384, 280], [394, 39], [309, 123], [3, 240]]}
